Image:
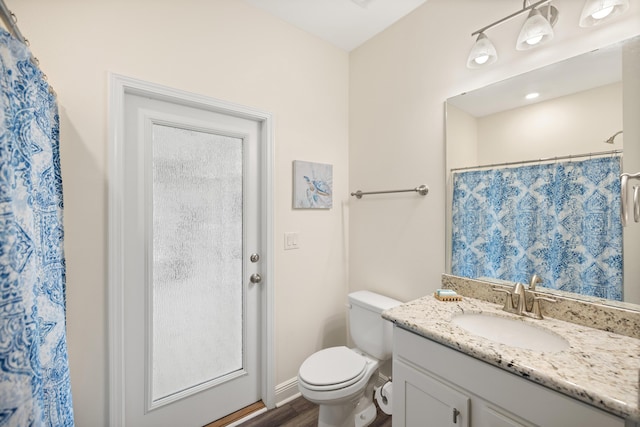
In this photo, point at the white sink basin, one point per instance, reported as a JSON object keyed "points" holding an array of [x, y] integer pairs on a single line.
{"points": [[511, 332]]}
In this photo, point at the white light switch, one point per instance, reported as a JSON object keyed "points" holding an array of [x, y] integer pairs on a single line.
{"points": [[291, 241]]}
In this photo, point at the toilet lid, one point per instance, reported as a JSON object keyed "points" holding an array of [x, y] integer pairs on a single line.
{"points": [[333, 365]]}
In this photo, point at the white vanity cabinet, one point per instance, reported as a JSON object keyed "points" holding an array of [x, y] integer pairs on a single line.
{"points": [[434, 385]]}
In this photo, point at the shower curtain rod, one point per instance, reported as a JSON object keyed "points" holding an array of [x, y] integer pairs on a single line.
{"points": [[11, 22], [548, 159]]}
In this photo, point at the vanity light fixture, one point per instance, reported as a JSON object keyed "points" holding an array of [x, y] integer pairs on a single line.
{"points": [[482, 53], [536, 30], [595, 12]]}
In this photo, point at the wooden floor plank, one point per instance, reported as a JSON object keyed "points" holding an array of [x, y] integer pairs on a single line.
{"points": [[275, 417], [301, 413]]}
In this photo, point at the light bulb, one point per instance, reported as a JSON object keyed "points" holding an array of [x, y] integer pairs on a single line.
{"points": [[481, 59], [602, 13], [534, 40]]}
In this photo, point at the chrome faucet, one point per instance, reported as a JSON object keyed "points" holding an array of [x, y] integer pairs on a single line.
{"points": [[520, 307]]}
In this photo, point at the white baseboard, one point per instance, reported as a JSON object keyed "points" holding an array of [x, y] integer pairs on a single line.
{"points": [[287, 391]]}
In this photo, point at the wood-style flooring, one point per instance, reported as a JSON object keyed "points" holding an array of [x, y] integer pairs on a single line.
{"points": [[301, 413]]}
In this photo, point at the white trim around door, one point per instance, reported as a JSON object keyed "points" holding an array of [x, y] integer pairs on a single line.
{"points": [[119, 86]]}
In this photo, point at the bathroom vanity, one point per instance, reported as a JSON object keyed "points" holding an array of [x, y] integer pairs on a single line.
{"points": [[445, 375]]}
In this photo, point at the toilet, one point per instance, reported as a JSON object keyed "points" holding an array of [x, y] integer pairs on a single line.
{"points": [[342, 380]]}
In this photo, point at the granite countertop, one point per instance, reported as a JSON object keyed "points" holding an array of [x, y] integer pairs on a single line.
{"points": [[600, 368]]}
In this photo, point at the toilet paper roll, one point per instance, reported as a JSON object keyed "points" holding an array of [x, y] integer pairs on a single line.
{"points": [[384, 397]]}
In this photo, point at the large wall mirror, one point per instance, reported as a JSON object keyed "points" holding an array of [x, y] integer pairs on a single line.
{"points": [[587, 108]]}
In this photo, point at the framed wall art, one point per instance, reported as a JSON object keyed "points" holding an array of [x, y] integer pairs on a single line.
{"points": [[312, 185]]}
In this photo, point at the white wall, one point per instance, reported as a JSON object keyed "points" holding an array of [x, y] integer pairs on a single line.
{"points": [[399, 82], [227, 50], [572, 124], [461, 138]]}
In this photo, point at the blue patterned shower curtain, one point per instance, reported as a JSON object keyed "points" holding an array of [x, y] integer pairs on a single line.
{"points": [[560, 221], [34, 372]]}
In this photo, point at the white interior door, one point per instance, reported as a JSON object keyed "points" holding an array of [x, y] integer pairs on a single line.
{"points": [[191, 210]]}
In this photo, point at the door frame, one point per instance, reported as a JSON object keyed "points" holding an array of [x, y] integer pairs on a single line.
{"points": [[119, 86]]}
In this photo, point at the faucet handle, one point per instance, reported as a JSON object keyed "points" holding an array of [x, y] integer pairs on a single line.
{"points": [[536, 312], [532, 283], [508, 302]]}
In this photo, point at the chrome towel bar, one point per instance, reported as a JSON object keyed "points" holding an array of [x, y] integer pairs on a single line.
{"points": [[422, 190]]}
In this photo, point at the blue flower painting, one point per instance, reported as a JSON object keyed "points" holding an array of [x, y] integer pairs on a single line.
{"points": [[312, 185]]}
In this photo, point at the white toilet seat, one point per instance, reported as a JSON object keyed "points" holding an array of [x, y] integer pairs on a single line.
{"points": [[332, 368]]}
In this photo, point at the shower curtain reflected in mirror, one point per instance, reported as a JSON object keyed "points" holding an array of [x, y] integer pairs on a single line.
{"points": [[34, 372], [560, 221]]}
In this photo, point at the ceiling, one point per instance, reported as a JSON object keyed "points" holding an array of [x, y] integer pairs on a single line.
{"points": [[349, 23], [344, 23]]}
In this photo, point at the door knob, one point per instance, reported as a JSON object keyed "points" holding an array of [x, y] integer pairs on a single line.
{"points": [[255, 278]]}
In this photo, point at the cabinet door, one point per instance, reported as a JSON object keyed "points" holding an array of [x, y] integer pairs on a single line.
{"points": [[425, 401]]}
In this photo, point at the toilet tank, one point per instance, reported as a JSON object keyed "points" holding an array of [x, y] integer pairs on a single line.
{"points": [[369, 331]]}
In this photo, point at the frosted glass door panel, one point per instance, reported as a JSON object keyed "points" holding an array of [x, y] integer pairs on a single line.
{"points": [[197, 299]]}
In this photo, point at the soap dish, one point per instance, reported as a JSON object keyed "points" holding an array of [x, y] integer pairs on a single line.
{"points": [[447, 297]]}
